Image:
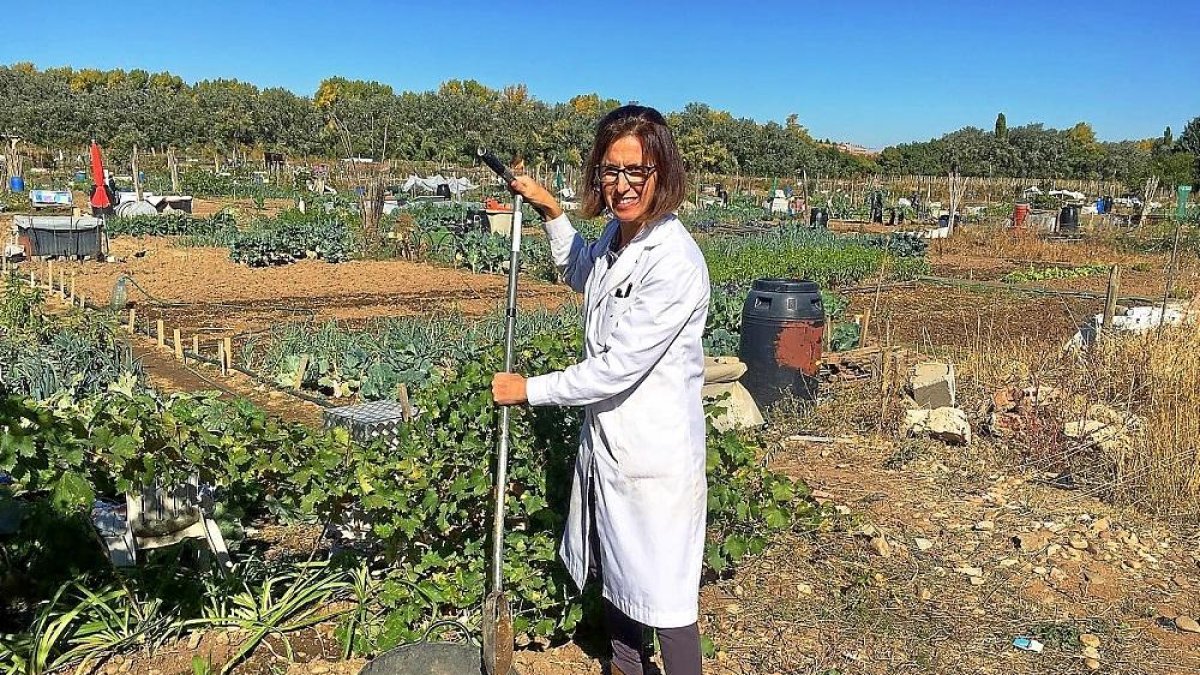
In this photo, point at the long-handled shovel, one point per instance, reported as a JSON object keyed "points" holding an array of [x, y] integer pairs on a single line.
{"points": [[497, 613]]}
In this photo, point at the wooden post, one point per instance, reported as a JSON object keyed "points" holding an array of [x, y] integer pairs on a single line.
{"points": [[137, 181], [402, 399], [173, 165], [866, 325], [50, 275], [32, 279], [1171, 271], [62, 283], [196, 345], [221, 356], [298, 380], [178, 344], [72, 286], [132, 319], [162, 341], [1110, 300], [228, 355]]}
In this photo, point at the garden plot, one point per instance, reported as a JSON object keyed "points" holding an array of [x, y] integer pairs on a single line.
{"points": [[218, 297], [860, 574]]}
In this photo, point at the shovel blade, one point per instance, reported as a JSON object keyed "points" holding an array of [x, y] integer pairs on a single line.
{"points": [[497, 634]]}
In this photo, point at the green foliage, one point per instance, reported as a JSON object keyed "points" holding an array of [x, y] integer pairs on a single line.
{"points": [[43, 356], [1029, 150], [241, 184], [373, 362], [67, 107], [898, 244], [426, 500], [293, 236], [1049, 273], [219, 225], [801, 253], [481, 251]]}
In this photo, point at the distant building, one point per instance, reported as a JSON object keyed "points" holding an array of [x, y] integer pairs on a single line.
{"points": [[853, 149]]}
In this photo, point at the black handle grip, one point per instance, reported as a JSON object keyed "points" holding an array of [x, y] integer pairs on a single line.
{"points": [[496, 165]]}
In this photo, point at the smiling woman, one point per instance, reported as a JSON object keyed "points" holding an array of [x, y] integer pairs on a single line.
{"points": [[638, 141], [638, 498]]}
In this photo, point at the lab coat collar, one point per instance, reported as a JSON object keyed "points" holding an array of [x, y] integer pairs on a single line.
{"points": [[646, 238]]}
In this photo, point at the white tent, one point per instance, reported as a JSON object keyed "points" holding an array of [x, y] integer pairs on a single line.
{"points": [[457, 185]]}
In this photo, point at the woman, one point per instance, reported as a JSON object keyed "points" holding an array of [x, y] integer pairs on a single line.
{"points": [[637, 514]]}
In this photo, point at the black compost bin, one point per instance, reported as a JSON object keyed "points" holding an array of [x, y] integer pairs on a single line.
{"points": [[819, 217], [783, 327], [1068, 218]]}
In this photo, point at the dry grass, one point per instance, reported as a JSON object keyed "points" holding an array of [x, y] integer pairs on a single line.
{"points": [[1148, 390], [1155, 379], [998, 242]]}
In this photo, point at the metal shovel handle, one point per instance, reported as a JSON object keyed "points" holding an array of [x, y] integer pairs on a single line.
{"points": [[496, 165], [497, 612]]}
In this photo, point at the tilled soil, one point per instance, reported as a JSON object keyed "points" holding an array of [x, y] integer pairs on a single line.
{"points": [[201, 292]]}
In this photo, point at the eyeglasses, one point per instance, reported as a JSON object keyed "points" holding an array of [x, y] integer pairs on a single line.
{"points": [[635, 174]]}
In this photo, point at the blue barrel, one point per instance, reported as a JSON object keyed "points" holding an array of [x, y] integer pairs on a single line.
{"points": [[16, 184], [80, 176]]}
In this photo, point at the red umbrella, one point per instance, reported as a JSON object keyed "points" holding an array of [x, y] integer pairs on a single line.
{"points": [[100, 196]]}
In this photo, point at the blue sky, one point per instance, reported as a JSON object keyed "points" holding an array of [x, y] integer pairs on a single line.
{"points": [[869, 72]]}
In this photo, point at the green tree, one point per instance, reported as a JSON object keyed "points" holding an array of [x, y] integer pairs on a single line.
{"points": [[1001, 126]]}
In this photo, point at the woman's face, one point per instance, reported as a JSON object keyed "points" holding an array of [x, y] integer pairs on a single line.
{"points": [[629, 202]]}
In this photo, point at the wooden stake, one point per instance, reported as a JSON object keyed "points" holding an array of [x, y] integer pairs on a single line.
{"points": [[1171, 270], [221, 356], [402, 398], [32, 279], [50, 275], [132, 319], [162, 341], [298, 380], [62, 283], [1110, 300], [885, 363], [178, 344], [72, 286], [866, 325], [228, 355], [196, 345]]}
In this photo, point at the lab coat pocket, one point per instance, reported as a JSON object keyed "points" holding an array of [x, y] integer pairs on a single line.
{"points": [[616, 306]]}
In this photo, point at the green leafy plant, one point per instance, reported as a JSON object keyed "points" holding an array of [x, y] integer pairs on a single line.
{"points": [[218, 226], [1051, 273]]}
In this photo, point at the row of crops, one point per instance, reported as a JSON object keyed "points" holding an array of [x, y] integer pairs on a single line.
{"points": [[425, 502], [372, 362]]}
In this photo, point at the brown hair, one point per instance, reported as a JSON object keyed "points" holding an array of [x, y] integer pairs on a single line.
{"points": [[658, 148]]}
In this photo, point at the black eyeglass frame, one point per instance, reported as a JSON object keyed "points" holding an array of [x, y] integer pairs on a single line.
{"points": [[649, 170]]}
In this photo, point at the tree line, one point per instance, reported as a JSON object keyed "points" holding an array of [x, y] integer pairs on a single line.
{"points": [[64, 107], [1036, 151]]}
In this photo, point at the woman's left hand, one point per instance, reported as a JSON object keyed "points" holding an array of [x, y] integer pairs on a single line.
{"points": [[509, 389]]}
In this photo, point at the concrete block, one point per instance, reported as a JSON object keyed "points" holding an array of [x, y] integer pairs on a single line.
{"points": [[932, 385]]}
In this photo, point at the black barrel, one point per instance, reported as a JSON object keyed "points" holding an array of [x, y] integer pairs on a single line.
{"points": [[819, 217], [783, 326], [1068, 218]]}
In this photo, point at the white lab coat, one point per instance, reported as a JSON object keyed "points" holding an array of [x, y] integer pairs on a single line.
{"points": [[643, 439]]}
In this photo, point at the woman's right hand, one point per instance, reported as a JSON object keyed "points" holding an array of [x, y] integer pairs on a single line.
{"points": [[537, 196]]}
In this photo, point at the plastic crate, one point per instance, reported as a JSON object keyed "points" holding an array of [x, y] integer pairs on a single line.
{"points": [[368, 422]]}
